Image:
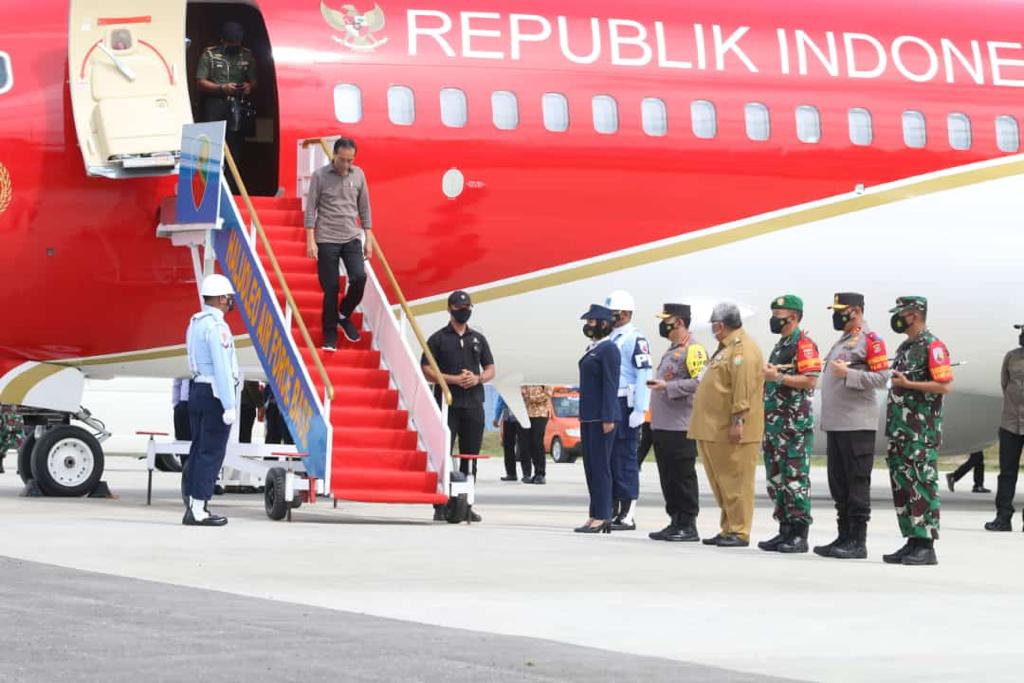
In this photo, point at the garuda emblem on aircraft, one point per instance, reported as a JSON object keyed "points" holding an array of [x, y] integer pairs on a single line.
{"points": [[358, 30]]}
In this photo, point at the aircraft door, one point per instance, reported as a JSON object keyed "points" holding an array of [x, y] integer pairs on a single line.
{"points": [[129, 89]]}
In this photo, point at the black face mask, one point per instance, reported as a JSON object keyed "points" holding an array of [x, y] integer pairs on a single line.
{"points": [[839, 320], [898, 324], [596, 331], [665, 328], [232, 49], [461, 315], [776, 324], [1021, 339], [230, 303]]}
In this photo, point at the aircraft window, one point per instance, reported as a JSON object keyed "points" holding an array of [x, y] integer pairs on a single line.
{"points": [[606, 114], [454, 110], [401, 105], [703, 119], [1007, 133], [861, 131], [654, 114], [505, 110], [808, 124], [914, 134], [348, 103], [6, 75], [556, 112], [758, 121], [959, 127]]}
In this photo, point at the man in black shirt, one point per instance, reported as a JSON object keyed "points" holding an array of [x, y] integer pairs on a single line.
{"points": [[464, 358]]}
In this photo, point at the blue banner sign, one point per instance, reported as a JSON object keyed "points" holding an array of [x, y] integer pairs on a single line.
{"points": [[202, 156], [295, 393]]}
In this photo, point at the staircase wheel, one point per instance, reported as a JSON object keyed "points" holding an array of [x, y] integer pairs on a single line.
{"points": [[273, 494]]}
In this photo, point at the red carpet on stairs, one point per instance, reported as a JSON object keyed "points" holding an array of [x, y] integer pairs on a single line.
{"points": [[375, 456]]}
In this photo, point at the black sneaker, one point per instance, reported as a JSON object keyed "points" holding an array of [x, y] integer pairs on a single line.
{"points": [[349, 330]]}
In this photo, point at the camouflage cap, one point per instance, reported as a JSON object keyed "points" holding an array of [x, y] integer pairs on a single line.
{"points": [[910, 303], [790, 302]]}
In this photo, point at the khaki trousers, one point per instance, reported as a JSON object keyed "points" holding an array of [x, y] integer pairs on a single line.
{"points": [[730, 469]]}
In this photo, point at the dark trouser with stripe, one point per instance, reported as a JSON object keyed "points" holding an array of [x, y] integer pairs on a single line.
{"points": [[597, 466], [182, 422], [677, 459], [467, 426], [625, 467], [851, 455], [209, 442], [1010, 445], [531, 447]]}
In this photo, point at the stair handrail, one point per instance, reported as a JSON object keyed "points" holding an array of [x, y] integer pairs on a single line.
{"points": [[289, 299], [390, 275]]}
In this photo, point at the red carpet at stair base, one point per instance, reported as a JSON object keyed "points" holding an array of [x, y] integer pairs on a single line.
{"points": [[375, 456]]}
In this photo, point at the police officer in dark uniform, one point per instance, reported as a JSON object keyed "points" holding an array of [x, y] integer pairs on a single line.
{"points": [[600, 413], [226, 76], [464, 358]]}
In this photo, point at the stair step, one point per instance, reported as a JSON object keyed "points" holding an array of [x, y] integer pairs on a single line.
{"points": [[380, 478], [364, 378], [286, 233], [362, 398], [361, 437], [275, 216], [388, 496], [285, 247], [317, 335], [347, 358], [373, 418], [376, 457], [293, 203]]}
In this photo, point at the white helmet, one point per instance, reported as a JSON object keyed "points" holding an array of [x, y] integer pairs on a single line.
{"points": [[216, 285], [620, 300]]}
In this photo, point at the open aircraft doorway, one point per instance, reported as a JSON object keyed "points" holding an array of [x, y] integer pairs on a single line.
{"points": [[127, 81], [257, 152]]}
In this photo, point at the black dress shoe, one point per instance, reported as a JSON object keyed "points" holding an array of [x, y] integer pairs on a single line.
{"points": [[509, 477], [999, 524], [687, 534], [950, 482], [474, 517], [713, 540], [978, 488], [897, 557], [620, 525], [528, 479], [212, 520], [732, 541], [661, 535], [539, 479]]}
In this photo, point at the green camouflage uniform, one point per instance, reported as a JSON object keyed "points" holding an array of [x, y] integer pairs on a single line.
{"points": [[221, 67], [12, 429], [914, 426]]}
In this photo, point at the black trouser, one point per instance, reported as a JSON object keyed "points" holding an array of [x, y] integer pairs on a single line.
{"points": [[646, 441], [182, 427], [531, 447], [509, 431], [248, 419], [1010, 445], [467, 425], [676, 455], [328, 255], [851, 455], [277, 428], [975, 461]]}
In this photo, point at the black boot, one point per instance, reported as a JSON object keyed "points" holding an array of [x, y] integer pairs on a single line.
{"points": [[1000, 523], [897, 557], [664, 534], [844, 534], [796, 542], [687, 531], [855, 546], [772, 544], [922, 554]]}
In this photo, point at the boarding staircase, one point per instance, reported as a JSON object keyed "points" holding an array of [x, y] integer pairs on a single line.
{"points": [[376, 452]]}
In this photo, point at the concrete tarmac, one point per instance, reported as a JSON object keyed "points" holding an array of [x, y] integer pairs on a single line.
{"points": [[359, 592]]}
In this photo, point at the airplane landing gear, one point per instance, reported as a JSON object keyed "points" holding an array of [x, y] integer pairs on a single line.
{"points": [[63, 460]]}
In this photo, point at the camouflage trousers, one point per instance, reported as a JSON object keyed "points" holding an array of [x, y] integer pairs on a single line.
{"points": [[914, 474], [787, 464]]}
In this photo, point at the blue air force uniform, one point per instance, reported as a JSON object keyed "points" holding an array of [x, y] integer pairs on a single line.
{"points": [[211, 355], [599, 382], [634, 397]]}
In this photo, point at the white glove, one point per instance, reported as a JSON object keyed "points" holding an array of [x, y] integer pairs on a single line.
{"points": [[636, 418], [229, 417]]}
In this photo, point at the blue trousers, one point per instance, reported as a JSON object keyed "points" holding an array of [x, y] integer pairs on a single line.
{"points": [[625, 464], [597, 459], [209, 441]]}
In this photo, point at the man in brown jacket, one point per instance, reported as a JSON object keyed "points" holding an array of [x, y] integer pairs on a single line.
{"points": [[728, 424]]}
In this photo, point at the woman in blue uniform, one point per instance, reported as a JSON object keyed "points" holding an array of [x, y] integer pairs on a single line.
{"points": [[599, 413]]}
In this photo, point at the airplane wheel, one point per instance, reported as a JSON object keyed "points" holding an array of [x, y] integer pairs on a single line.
{"points": [[273, 494], [67, 461], [25, 457], [168, 462]]}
